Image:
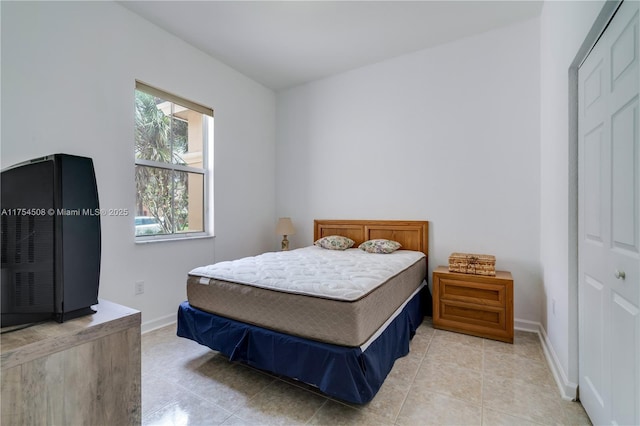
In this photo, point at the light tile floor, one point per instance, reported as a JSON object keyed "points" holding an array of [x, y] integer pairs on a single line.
{"points": [[447, 378]]}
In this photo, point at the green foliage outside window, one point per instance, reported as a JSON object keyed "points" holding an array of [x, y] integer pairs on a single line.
{"points": [[162, 138]]}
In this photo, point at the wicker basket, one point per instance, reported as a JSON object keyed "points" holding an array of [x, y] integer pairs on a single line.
{"points": [[469, 263]]}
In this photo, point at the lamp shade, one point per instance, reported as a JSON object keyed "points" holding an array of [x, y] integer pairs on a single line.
{"points": [[285, 227]]}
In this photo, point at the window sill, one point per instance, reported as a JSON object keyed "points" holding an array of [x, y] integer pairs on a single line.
{"points": [[168, 238]]}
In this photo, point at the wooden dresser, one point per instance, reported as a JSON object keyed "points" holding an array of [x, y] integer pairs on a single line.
{"points": [[85, 371], [474, 304]]}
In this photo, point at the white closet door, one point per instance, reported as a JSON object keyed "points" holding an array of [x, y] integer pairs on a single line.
{"points": [[609, 224]]}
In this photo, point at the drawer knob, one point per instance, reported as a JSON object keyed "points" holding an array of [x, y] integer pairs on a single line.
{"points": [[620, 275]]}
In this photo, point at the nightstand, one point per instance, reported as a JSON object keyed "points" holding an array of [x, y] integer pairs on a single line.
{"points": [[474, 304]]}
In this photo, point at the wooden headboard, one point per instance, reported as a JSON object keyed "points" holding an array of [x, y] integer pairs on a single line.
{"points": [[412, 234]]}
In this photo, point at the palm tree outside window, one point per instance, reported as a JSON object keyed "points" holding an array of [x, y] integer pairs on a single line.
{"points": [[173, 143]]}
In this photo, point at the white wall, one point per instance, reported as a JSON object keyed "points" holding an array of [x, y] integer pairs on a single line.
{"points": [[564, 26], [448, 134], [68, 78]]}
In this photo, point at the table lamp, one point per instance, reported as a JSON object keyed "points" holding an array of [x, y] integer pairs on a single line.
{"points": [[284, 228]]}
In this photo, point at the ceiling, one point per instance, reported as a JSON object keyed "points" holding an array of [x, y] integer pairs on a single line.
{"points": [[287, 43]]}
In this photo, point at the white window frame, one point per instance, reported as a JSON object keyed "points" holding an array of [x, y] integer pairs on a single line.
{"points": [[205, 171]]}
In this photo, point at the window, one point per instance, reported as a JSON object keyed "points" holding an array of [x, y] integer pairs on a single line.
{"points": [[173, 144]]}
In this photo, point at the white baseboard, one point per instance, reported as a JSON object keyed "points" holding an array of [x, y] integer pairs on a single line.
{"points": [[568, 389], [525, 325], [157, 323]]}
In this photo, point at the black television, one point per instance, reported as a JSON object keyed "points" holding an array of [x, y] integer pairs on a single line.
{"points": [[51, 240]]}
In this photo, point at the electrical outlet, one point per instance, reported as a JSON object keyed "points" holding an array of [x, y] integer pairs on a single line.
{"points": [[139, 287]]}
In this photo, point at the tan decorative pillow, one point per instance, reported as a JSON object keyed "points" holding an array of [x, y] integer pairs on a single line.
{"points": [[335, 242], [380, 246]]}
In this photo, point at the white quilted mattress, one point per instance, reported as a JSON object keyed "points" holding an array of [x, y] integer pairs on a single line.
{"points": [[338, 275], [306, 292]]}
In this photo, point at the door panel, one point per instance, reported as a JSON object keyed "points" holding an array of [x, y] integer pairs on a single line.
{"points": [[623, 50], [592, 184], [624, 168], [593, 297], [625, 363]]}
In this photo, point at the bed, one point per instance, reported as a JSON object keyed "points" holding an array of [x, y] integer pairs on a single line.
{"points": [[334, 319]]}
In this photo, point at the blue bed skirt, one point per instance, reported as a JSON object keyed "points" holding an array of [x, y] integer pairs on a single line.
{"points": [[345, 373]]}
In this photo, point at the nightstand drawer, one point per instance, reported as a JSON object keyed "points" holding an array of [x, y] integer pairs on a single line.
{"points": [[481, 316], [473, 292]]}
